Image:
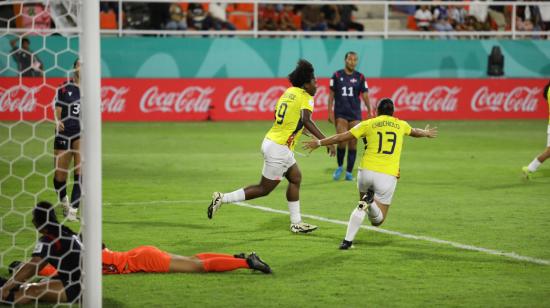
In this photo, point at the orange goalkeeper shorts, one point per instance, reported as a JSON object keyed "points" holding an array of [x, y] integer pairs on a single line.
{"points": [[148, 259]]}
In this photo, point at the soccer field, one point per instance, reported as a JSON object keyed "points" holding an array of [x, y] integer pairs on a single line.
{"points": [[465, 187]]}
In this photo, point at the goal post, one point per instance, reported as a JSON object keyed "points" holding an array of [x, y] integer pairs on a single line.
{"points": [[36, 64], [91, 118]]}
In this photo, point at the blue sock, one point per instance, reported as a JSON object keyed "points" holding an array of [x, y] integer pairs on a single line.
{"points": [[340, 154], [351, 160]]}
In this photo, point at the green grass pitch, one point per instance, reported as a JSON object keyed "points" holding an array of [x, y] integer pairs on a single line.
{"points": [[464, 187]]}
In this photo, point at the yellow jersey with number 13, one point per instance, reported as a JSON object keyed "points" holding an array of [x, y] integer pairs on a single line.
{"points": [[383, 136], [288, 125]]}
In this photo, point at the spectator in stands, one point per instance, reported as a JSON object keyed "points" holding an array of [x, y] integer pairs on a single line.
{"points": [[332, 16], [198, 18], [423, 17], [499, 15], [268, 17], [36, 16], [442, 21], [28, 64], [530, 17], [217, 11], [177, 19], [346, 14], [457, 17], [287, 18], [313, 19]]}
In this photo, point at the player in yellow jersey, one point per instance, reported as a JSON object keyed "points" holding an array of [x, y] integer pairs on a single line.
{"points": [[537, 161], [292, 114], [379, 168]]}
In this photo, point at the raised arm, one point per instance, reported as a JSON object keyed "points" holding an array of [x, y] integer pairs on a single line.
{"points": [[314, 130], [429, 132]]}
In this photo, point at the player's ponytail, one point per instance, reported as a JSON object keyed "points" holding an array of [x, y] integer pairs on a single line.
{"points": [[303, 73]]}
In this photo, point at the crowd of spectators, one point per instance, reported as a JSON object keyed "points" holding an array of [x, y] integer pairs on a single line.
{"points": [[475, 16]]}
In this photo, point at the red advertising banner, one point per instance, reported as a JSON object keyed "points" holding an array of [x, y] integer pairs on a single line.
{"points": [[255, 99]]}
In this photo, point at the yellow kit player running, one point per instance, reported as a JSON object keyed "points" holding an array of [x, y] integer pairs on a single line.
{"points": [[379, 168], [292, 114], [537, 161]]}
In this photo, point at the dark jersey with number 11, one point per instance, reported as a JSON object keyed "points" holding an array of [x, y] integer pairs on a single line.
{"points": [[347, 94]]}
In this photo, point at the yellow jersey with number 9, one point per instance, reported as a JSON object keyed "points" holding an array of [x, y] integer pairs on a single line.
{"points": [[288, 125], [383, 137]]}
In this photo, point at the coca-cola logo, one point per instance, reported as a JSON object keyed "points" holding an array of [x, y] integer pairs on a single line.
{"points": [[523, 99], [238, 100], [190, 99], [18, 99], [439, 98], [112, 99]]}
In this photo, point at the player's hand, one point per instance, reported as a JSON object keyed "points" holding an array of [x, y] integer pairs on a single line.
{"points": [[331, 150], [60, 126], [430, 132], [311, 145], [331, 117]]}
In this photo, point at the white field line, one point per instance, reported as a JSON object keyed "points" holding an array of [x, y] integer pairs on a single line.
{"points": [[511, 255]]}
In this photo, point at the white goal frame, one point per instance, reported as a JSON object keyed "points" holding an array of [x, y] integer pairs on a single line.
{"points": [[91, 120]]}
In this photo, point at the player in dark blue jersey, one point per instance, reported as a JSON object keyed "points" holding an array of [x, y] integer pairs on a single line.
{"points": [[347, 86], [67, 142], [58, 246]]}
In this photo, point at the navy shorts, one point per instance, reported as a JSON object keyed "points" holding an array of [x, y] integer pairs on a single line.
{"points": [[65, 140], [348, 117]]}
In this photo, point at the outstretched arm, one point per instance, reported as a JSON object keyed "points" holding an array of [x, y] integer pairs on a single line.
{"points": [[313, 129], [430, 132], [315, 143]]}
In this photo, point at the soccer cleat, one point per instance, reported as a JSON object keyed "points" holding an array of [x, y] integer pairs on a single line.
{"points": [[527, 173], [337, 173], [254, 262], [302, 227], [241, 255], [369, 196], [349, 176], [346, 245], [215, 204], [69, 212]]}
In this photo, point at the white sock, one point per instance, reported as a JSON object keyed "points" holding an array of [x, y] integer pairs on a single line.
{"points": [[294, 209], [236, 196], [355, 221], [375, 214], [534, 165]]}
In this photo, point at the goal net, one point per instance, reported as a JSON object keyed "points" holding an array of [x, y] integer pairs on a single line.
{"points": [[43, 134]]}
